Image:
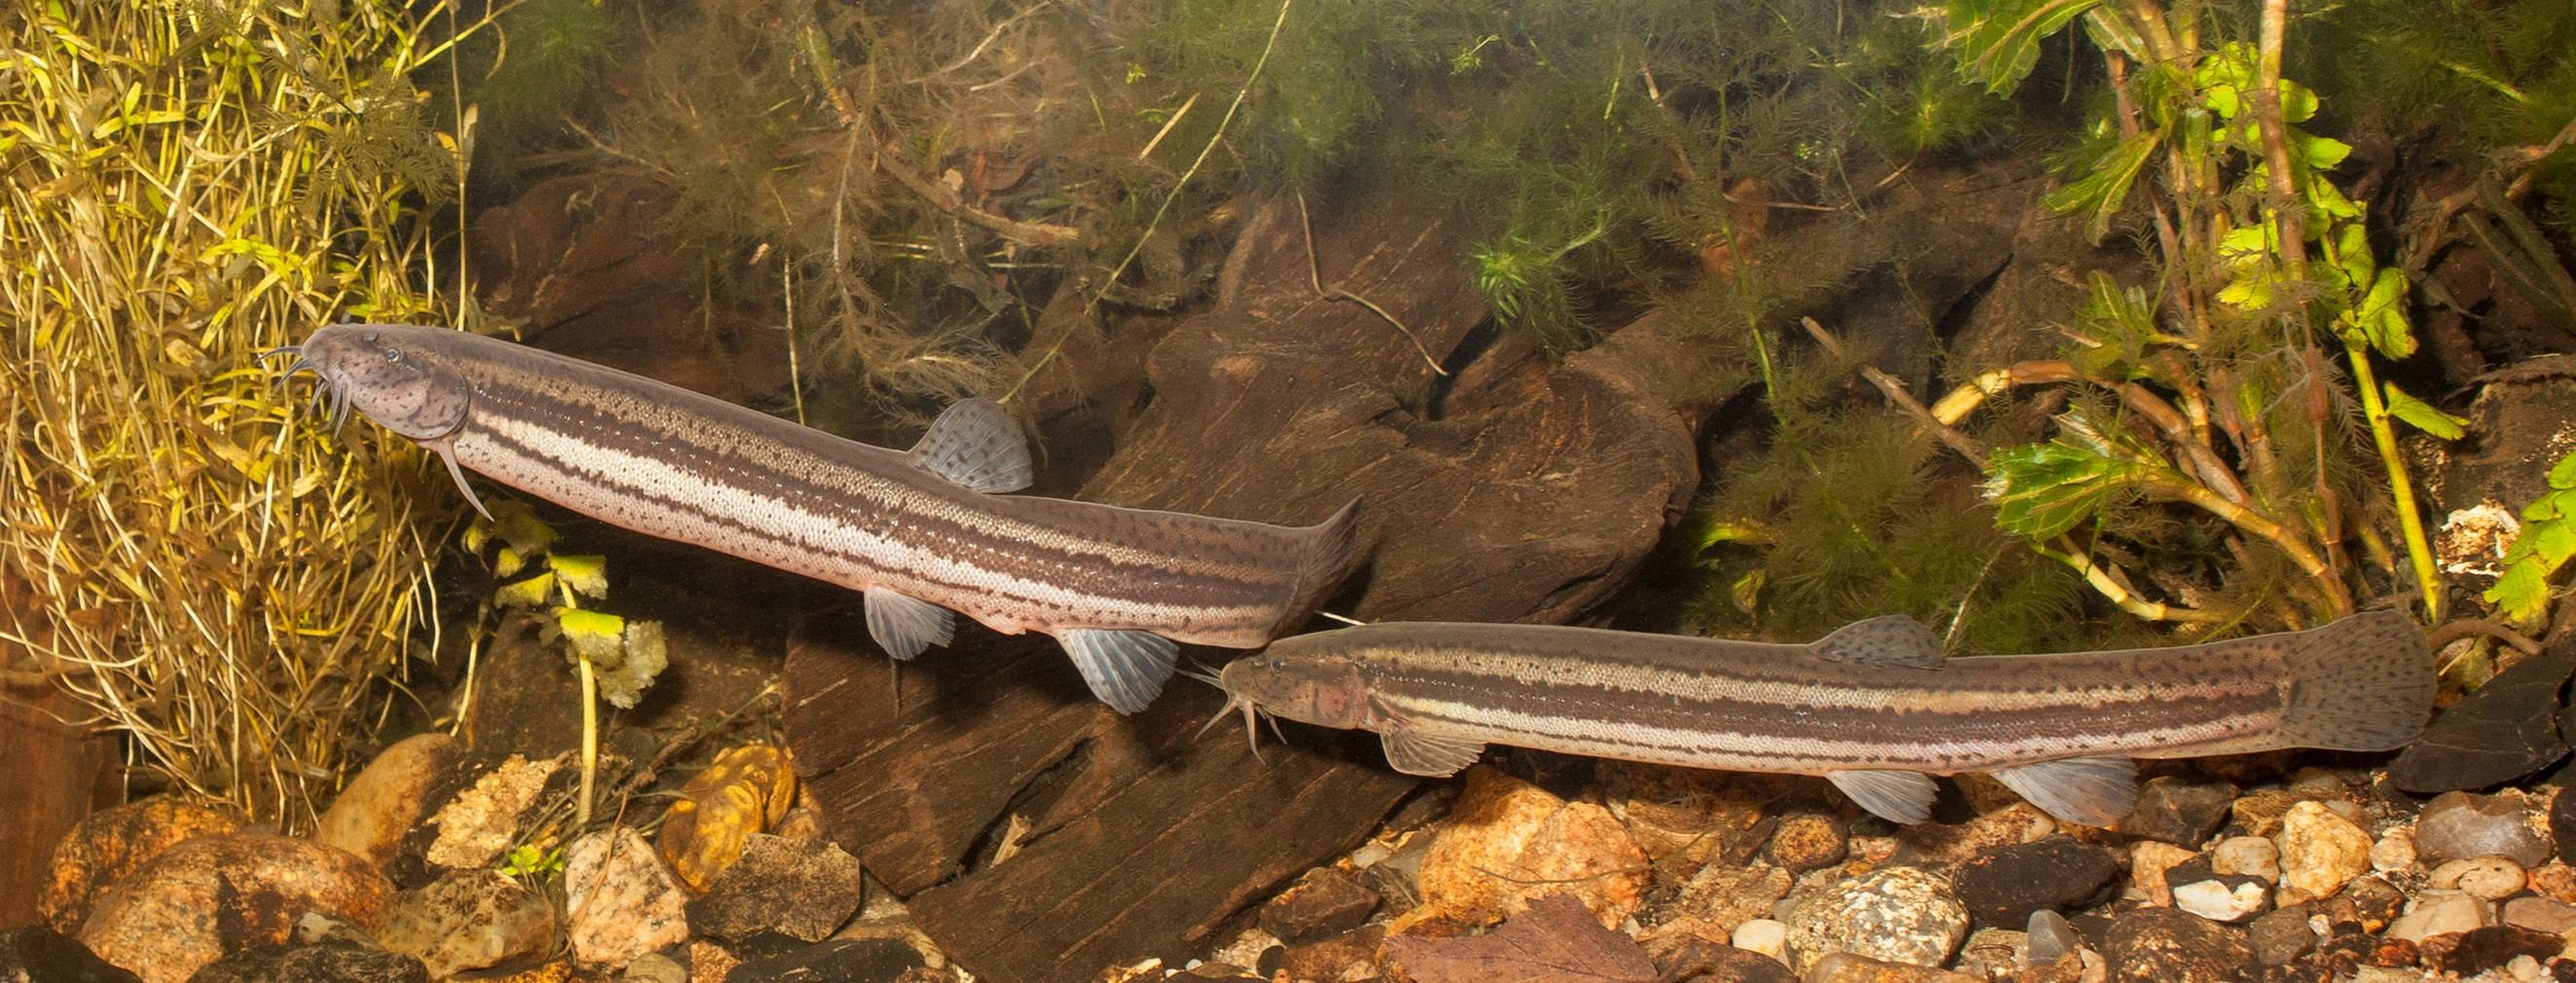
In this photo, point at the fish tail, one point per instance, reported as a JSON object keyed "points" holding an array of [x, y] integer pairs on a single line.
{"points": [[1331, 553], [2364, 683]]}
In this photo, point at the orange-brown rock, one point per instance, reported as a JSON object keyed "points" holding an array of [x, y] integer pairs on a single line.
{"points": [[749, 789], [112, 843], [387, 799], [215, 894], [1509, 842]]}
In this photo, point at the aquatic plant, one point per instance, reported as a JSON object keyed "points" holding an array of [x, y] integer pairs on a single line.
{"points": [[2547, 541], [213, 575], [2219, 400]]}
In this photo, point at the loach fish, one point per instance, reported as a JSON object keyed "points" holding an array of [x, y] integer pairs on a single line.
{"points": [[1873, 707], [918, 532]]}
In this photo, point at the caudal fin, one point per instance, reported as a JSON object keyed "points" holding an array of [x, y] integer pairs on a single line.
{"points": [[2364, 683], [1331, 553]]}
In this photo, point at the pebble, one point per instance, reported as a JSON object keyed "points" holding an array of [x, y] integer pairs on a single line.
{"points": [[2494, 946], [619, 901], [2562, 823], [1336, 958], [747, 790], [2544, 914], [109, 844], [2555, 881], [2162, 945], [2260, 813], [2253, 856], [36, 954], [1728, 895], [2460, 825], [2148, 862], [2434, 914], [1765, 936], [2215, 899], [1844, 967], [386, 799], [211, 894], [2487, 878], [482, 822], [1895, 914], [2002, 886], [1807, 841], [2179, 812], [801, 889], [2050, 937], [2321, 851], [1324, 902], [2281, 936], [1993, 953], [469, 919], [1508, 841], [2394, 852], [1716, 963], [654, 967], [335, 961]]}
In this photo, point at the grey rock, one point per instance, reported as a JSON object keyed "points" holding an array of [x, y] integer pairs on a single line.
{"points": [[2282, 936], [326, 962], [2460, 825], [2002, 886], [2162, 945], [2545, 914], [1895, 914], [2180, 812], [799, 889], [2050, 937], [41, 955]]}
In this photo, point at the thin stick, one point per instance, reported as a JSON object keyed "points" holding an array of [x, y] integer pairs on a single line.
{"points": [[1315, 276]]}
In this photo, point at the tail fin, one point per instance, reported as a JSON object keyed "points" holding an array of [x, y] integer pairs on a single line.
{"points": [[2364, 683], [1332, 552]]}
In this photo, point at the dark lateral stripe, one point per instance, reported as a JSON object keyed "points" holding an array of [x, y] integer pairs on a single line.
{"points": [[803, 548], [822, 473]]}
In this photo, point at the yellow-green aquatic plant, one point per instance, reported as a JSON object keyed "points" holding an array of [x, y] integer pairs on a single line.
{"points": [[182, 186]]}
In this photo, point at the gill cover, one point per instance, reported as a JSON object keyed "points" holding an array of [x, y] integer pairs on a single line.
{"points": [[367, 368]]}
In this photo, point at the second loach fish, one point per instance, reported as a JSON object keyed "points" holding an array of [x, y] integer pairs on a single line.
{"points": [[920, 533], [1873, 708]]}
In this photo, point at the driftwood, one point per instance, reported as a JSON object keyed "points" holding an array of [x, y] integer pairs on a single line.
{"points": [[1520, 489]]}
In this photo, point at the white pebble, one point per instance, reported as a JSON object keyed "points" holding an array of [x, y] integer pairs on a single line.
{"points": [[1763, 935], [2523, 967], [2251, 856], [2215, 901], [2394, 852], [2488, 878]]}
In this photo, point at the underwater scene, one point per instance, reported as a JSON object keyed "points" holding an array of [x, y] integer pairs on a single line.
{"points": [[1308, 491]]}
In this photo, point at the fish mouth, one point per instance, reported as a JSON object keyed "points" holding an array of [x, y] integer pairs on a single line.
{"points": [[1237, 703], [329, 399]]}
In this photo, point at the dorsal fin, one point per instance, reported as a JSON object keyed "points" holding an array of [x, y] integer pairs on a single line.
{"points": [[975, 443], [1887, 640]]}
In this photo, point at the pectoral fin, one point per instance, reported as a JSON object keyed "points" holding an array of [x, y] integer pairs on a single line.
{"points": [[1125, 668], [903, 625], [2090, 791], [447, 452], [976, 443], [1896, 796], [1420, 751]]}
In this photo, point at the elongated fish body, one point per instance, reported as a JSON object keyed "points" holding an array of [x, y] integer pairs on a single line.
{"points": [[1873, 707], [920, 532]]}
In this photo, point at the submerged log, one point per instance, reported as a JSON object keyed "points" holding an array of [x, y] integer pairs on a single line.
{"points": [[1039, 836]]}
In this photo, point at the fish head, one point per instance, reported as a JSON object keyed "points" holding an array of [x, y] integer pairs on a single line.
{"points": [[1325, 691], [391, 373]]}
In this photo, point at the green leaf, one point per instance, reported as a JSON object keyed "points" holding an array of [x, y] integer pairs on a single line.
{"points": [[585, 575], [530, 593], [2424, 416], [2546, 543], [2562, 475], [2380, 318], [2522, 594], [579, 624], [2106, 186], [1997, 41], [2041, 490], [2116, 326], [2247, 250]]}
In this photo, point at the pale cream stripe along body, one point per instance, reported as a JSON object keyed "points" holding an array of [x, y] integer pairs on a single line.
{"points": [[1874, 707]]}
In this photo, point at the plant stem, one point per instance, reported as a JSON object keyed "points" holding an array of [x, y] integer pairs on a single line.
{"points": [[589, 741], [2409, 520]]}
